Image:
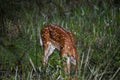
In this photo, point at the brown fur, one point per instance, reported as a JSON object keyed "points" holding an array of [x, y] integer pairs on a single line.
{"points": [[62, 40]]}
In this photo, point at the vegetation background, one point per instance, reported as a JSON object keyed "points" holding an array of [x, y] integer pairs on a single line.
{"points": [[94, 23]]}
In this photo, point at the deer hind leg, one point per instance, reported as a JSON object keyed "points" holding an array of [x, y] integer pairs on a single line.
{"points": [[48, 50], [74, 62], [66, 62], [68, 65]]}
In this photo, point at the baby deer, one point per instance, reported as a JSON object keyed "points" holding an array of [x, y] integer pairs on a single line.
{"points": [[54, 36]]}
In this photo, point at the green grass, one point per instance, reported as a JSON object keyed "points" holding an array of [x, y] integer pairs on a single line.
{"points": [[95, 29]]}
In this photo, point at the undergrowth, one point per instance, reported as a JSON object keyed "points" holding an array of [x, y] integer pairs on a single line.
{"points": [[95, 28]]}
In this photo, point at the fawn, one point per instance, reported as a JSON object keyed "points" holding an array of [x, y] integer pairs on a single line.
{"points": [[55, 37]]}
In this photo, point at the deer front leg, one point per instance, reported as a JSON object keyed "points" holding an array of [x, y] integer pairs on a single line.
{"points": [[48, 50], [45, 57]]}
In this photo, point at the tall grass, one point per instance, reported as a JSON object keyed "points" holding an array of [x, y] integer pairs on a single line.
{"points": [[95, 29]]}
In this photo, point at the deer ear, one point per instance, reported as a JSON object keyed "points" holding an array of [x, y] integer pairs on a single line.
{"points": [[41, 43], [73, 60]]}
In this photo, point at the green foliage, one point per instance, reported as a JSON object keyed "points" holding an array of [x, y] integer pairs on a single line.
{"points": [[94, 24]]}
